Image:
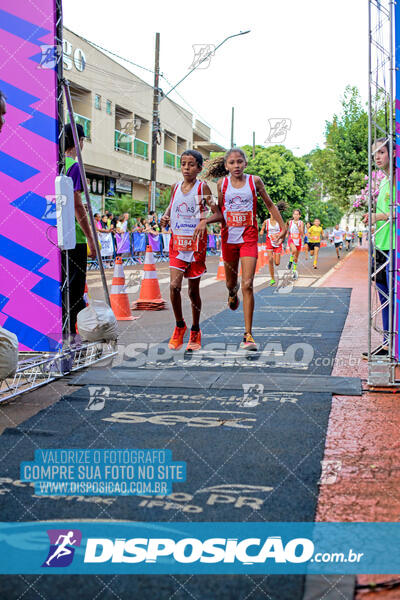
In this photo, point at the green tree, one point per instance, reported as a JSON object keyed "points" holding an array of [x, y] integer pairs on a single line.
{"points": [[285, 176], [126, 204], [164, 200], [342, 164]]}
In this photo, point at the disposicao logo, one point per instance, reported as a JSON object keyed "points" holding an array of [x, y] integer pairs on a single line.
{"points": [[61, 551], [191, 550]]}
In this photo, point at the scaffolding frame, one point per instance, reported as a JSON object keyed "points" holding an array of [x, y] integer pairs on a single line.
{"points": [[381, 97]]}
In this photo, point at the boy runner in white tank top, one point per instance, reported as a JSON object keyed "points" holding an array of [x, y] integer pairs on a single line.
{"points": [[186, 215]]}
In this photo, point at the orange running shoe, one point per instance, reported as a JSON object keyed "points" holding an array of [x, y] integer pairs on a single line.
{"points": [[194, 341], [176, 341]]}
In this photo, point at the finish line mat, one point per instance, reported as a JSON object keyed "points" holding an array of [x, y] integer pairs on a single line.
{"points": [[296, 333], [212, 380]]}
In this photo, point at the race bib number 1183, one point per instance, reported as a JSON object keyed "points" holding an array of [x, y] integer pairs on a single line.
{"points": [[239, 218]]}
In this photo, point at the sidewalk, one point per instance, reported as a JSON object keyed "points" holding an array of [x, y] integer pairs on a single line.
{"points": [[363, 433]]}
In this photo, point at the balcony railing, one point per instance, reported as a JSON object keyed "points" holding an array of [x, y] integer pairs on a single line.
{"points": [[85, 122], [141, 148], [172, 160], [122, 142]]}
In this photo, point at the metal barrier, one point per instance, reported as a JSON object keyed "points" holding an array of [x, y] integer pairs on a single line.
{"points": [[135, 250], [38, 368]]}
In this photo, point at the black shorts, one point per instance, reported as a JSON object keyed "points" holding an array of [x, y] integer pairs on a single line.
{"points": [[312, 245], [338, 244]]}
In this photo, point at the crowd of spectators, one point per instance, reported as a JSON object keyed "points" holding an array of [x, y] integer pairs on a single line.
{"points": [[109, 223]]}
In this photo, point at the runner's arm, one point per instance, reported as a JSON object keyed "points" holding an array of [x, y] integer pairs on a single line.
{"points": [[216, 216], [274, 211], [263, 226]]}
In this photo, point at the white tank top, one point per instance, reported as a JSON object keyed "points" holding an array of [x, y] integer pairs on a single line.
{"points": [[272, 232], [294, 231], [239, 200], [186, 210]]}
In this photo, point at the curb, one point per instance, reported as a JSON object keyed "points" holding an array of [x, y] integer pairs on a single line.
{"points": [[335, 268]]}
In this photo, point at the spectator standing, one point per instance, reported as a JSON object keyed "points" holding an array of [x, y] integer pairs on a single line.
{"points": [[97, 220], [380, 220], [77, 257]]}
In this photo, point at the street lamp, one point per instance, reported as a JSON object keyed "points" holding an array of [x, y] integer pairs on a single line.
{"points": [[205, 58], [156, 112]]}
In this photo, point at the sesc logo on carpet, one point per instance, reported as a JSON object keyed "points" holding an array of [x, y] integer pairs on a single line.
{"points": [[61, 551]]}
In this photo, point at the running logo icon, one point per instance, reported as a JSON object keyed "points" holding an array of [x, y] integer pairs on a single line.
{"points": [[98, 395], [61, 552], [278, 130]]}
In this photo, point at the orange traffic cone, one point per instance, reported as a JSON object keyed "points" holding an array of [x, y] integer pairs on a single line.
{"points": [[258, 263], [86, 294], [150, 295], [221, 270], [118, 297], [264, 259]]}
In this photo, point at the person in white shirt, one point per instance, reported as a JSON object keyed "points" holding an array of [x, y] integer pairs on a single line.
{"points": [[349, 238], [337, 236]]}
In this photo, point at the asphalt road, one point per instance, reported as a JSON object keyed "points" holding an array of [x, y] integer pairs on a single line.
{"points": [[264, 453], [153, 327]]}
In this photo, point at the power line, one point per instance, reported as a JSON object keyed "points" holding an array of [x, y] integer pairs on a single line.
{"points": [[195, 112], [127, 60], [116, 55]]}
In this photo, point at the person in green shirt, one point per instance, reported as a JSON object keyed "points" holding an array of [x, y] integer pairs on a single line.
{"points": [[381, 220], [77, 257]]}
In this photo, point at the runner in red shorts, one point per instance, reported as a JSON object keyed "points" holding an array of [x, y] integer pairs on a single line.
{"points": [[274, 249], [295, 233], [237, 200], [188, 245]]}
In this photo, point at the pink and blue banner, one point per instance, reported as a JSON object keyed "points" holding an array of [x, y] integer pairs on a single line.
{"points": [[30, 272]]}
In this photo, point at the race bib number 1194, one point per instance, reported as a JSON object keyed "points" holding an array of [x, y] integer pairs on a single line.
{"points": [[184, 243]]}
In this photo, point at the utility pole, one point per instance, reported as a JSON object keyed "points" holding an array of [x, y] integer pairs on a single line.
{"points": [[232, 125], [155, 127], [156, 115], [254, 144]]}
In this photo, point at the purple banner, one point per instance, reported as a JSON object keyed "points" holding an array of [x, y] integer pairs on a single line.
{"points": [[211, 241], [154, 241], [123, 242], [30, 272]]}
